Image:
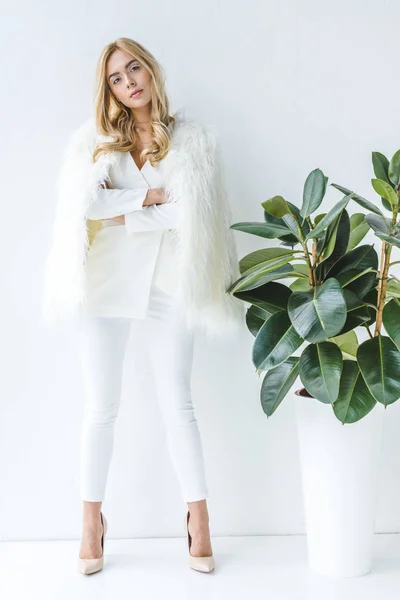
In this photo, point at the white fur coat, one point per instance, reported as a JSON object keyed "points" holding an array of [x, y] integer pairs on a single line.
{"points": [[207, 260]]}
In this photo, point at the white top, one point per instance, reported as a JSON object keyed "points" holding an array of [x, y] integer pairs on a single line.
{"points": [[126, 259]]}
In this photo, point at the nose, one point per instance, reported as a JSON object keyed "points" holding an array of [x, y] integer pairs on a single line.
{"points": [[129, 82], [131, 78]]}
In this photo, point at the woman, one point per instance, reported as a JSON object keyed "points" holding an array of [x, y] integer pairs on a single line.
{"points": [[141, 232]]}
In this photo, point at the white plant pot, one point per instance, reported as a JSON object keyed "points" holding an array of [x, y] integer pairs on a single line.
{"points": [[339, 466]]}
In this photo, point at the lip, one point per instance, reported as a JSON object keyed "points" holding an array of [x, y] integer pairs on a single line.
{"points": [[136, 94]]}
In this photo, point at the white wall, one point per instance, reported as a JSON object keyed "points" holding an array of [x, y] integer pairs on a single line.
{"points": [[289, 86]]}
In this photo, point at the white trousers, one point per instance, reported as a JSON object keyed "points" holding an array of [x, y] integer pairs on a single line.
{"points": [[170, 345]]}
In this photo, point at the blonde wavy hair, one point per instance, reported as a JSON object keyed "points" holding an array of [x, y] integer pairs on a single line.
{"points": [[114, 118]]}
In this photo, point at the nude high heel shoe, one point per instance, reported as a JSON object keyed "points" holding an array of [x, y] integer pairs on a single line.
{"points": [[91, 565], [204, 564]]}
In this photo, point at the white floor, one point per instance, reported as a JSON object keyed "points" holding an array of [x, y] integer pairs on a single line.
{"points": [[267, 567]]}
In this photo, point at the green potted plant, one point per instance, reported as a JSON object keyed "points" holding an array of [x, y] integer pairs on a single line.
{"points": [[318, 329]]}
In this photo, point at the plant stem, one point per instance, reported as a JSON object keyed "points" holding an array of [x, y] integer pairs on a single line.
{"points": [[383, 276], [314, 261], [310, 266], [382, 286]]}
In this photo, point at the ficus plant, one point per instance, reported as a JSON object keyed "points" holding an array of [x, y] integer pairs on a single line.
{"points": [[336, 288]]}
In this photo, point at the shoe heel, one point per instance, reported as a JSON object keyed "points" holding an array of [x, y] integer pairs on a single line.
{"points": [[87, 566], [204, 564]]}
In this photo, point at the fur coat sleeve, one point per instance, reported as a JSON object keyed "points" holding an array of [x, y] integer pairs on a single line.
{"points": [[207, 260], [210, 261]]}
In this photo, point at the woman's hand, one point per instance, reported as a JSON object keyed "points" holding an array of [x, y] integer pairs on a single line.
{"points": [[154, 196]]}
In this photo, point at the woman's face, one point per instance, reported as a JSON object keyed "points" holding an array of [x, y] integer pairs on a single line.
{"points": [[125, 75]]}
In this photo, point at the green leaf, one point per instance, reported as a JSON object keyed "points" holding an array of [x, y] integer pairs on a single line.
{"points": [[360, 258], [275, 342], [378, 223], [357, 311], [395, 241], [353, 301], [300, 285], [265, 230], [288, 240], [271, 297], [272, 220], [293, 209], [286, 237], [341, 236], [329, 217], [351, 275], [313, 192], [381, 166], [291, 223], [260, 256], [294, 273], [348, 344], [394, 169], [357, 281], [276, 206], [320, 368], [355, 400], [261, 274], [359, 199], [301, 268], [319, 313], [379, 362], [276, 384], [255, 318], [391, 320], [321, 241], [385, 190], [330, 238], [386, 204], [358, 229], [355, 270], [393, 289], [318, 218]]}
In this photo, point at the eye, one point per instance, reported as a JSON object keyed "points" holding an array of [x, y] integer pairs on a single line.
{"points": [[134, 67]]}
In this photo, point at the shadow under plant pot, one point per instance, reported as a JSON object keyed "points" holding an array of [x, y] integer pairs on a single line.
{"points": [[339, 467]]}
